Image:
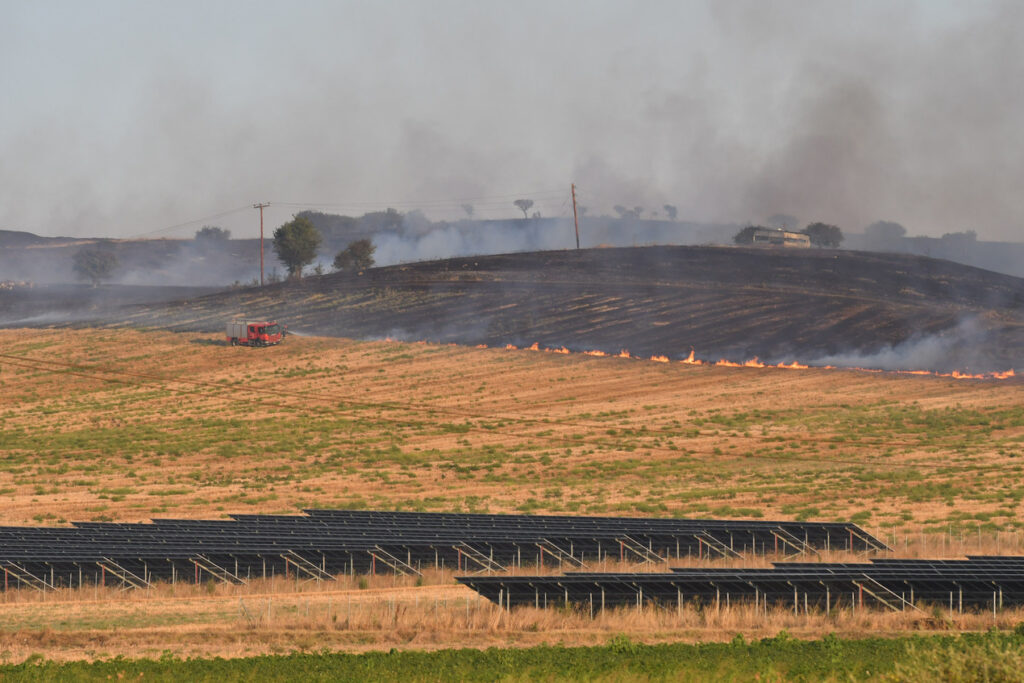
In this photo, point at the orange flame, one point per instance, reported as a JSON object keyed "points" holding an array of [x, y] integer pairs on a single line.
{"points": [[956, 374], [691, 360], [755, 362]]}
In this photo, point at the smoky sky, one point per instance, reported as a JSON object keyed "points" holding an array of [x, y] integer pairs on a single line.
{"points": [[127, 118]]}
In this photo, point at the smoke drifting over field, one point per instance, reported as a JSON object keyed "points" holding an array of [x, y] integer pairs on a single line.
{"points": [[467, 240], [140, 116], [963, 347], [472, 238]]}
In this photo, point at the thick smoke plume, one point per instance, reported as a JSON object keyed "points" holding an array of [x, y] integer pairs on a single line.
{"points": [[136, 116]]}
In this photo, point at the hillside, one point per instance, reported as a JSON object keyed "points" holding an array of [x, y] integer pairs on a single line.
{"points": [[840, 306]]}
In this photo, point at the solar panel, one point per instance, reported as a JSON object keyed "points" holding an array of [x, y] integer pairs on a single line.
{"points": [[323, 542], [988, 582]]}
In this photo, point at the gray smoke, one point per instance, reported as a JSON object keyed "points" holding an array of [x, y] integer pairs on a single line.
{"points": [[955, 349], [469, 239], [139, 116], [473, 238]]}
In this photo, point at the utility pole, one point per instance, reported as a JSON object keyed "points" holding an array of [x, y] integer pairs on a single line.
{"points": [[575, 217], [262, 206]]}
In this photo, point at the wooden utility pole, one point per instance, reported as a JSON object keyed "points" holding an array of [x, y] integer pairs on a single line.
{"points": [[262, 206], [575, 217]]}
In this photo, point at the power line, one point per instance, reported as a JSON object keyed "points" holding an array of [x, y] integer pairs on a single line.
{"points": [[545, 197], [455, 202], [177, 226]]}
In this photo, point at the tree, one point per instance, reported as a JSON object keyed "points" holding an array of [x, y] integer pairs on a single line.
{"points": [[213, 234], [746, 235], [94, 264], [959, 244], [524, 205], [356, 256], [468, 208], [296, 243], [884, 235], [672, 211], [380, 221], [966, 237], [824, 235]]}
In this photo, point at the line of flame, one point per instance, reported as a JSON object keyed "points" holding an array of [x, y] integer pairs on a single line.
{"points": [[752, 363]]}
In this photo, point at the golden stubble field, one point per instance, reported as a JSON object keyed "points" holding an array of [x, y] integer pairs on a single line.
{"points": [[104, 424], [126, 425]]}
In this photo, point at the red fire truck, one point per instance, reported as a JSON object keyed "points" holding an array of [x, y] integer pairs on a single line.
{"points": [[263, 333]]}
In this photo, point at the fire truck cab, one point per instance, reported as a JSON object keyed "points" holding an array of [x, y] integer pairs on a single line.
{"points": [[262, 333]]}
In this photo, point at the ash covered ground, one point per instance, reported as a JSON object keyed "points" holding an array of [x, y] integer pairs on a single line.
{"points": [[891, 311]]}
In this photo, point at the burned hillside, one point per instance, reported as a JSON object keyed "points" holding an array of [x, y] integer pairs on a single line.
{"points": [[723, 302]]}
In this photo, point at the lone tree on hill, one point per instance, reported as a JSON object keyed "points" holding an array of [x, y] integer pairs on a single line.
{"points": [[884, 235], [524, 205], [746, 235], [212, 233], [296, 243], [94, 264], [357, 255], [626, 214], [824, 235]]}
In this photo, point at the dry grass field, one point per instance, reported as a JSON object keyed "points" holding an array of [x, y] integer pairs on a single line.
{"points": [[279, 617], [127, 425]]}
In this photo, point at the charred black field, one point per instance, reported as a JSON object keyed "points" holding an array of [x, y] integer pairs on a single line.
{"points": [[887, 310]]}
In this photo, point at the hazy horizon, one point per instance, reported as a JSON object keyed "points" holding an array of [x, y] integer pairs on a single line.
{"points": [[126, 119]]}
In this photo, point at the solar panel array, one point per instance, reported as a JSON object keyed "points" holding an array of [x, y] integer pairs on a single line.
{"points": [[323, 543], [988, 582]]}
